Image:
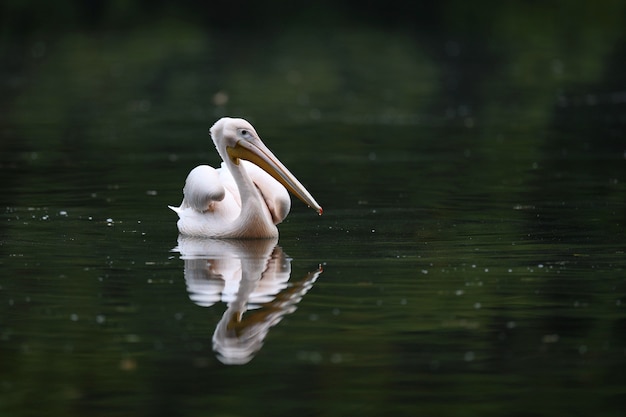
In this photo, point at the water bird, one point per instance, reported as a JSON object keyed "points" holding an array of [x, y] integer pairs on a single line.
{"points": [[247, 196]]}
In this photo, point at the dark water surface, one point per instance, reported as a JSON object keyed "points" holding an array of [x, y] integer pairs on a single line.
{"points": [[470, 259]]}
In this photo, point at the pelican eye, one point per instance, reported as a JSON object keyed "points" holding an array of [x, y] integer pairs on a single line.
{"points": [[245, 133]]}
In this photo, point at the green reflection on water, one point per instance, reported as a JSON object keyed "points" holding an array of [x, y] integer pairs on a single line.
{"points": [[472, 240]]}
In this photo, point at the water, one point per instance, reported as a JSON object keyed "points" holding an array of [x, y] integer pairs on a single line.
{"points": [[470, 259]]}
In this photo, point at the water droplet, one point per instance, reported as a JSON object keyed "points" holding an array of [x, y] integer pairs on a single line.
{"points": [[550, 338], [336, 358], [128, 364], [132, 338], [315, 357], [220, 98]]}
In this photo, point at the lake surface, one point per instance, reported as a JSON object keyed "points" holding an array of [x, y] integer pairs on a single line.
{"points": [[470, 259]]}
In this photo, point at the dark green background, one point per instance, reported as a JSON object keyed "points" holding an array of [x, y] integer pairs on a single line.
{"points": [[469, 156]]}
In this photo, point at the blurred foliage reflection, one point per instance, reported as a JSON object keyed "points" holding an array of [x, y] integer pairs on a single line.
{"points": [[469, 157]]}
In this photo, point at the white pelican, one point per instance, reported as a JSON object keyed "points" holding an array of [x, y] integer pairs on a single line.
{"points": [[241, 199]]}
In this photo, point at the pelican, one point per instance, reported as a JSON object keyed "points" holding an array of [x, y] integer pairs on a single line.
{"points": [[245, 198]]}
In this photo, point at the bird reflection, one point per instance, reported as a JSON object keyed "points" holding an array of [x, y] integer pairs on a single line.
{"points": [[252, 278]]}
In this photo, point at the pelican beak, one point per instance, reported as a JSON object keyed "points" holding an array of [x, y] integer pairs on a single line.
{"points": [[235, 320], [260, 155]]}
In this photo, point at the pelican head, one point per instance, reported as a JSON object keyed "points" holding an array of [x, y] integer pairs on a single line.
{"points": [[236, 139]]}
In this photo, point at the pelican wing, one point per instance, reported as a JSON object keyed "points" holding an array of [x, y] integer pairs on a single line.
{"points": [[202, 188]]}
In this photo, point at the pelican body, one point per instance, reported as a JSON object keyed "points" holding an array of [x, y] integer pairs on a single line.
{"points": [[247, 196]]}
